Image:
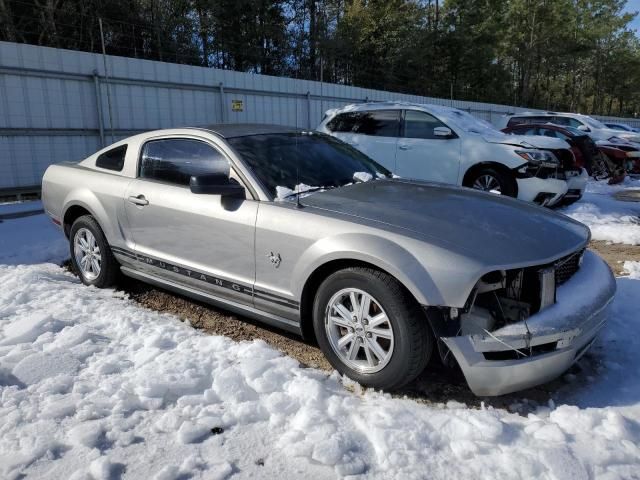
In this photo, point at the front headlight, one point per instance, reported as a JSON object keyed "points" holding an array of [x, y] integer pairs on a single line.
{"points": [[540, 158]]}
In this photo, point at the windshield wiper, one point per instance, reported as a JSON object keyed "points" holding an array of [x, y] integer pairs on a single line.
{"points": [[341, 183], [309, 190]]}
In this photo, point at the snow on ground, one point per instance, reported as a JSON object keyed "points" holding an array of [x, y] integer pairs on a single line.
{"points": [[93, 386], [609, 219], [31, 239]]}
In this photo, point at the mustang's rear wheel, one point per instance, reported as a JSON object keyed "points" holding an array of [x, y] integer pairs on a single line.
{"points": [[90, 253], [370, 328]]}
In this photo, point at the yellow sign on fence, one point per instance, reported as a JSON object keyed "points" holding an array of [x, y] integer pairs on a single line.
{"points": [[236, 106]]}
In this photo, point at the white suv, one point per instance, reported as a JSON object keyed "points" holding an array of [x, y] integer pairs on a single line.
{"points": [[595, 128], [448, 145]]}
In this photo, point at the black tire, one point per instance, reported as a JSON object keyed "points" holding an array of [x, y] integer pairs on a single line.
{"points": [[109, 267], [506, 181], [412, 339]]}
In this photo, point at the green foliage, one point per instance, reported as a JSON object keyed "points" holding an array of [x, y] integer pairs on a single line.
{"points": [[576, 55]]}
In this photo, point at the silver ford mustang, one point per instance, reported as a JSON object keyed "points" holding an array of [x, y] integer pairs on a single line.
{"points": [[300, 230]]}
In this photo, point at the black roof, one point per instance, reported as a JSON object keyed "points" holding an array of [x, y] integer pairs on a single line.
{"points": [[231, 130]]}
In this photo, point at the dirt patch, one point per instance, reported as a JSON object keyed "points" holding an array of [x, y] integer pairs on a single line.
{"points": [[615, 254], [628, 195], [216, 321]]}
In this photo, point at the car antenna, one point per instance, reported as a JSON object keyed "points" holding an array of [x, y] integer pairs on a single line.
{"points": [[297, 185]]}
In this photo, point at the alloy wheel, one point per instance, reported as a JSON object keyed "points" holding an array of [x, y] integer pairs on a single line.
{"points": [[87, 254], [359, 330], [487, 183]]}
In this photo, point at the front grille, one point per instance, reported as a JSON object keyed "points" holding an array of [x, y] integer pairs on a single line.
{"points": [[566, 267], [525, 284], [526, 290], [514, 355]]}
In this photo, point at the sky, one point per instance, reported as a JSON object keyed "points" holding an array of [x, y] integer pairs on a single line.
{"points": [[634, 6]]}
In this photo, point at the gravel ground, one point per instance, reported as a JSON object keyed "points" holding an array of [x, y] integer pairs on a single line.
{"points": [[437, 384]]}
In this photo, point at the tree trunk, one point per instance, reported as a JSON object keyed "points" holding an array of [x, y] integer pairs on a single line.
{"points": [[48, 22], [203, 22], [6, 20], [313, 39]]}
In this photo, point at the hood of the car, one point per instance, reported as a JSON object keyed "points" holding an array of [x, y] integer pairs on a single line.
{"points": [[486, 227], [629, 136], [528, 141], [609, 133]]}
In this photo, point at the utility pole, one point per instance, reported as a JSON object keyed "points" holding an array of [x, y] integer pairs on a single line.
{"points": [[106, 76]]}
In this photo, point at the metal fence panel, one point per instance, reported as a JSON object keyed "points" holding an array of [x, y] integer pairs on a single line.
{"points": [[58, 105]]}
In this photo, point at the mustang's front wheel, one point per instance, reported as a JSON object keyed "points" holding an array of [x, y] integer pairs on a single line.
{"points": [[370, 328]]}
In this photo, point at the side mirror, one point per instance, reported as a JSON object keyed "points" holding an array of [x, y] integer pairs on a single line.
{"points": [[442, 132], [584, 128], [216, 184]]}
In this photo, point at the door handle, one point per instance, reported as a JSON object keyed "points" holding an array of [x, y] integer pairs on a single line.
{"points": [[404, 147], [139, 200]]}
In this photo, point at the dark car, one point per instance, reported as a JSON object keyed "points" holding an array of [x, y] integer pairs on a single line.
{"points": [[583, 147], [622, 127], [605, 159]]}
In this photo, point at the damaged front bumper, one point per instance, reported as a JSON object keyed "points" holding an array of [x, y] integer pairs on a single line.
{"points": [[536, 350], [543, 191]]}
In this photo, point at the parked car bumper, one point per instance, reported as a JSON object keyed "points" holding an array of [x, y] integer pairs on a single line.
{"points": [[550, 340], [543, 191]]}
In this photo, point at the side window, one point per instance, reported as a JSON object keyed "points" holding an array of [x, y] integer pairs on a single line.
{"points": [[575, 123], [343, 122], [175, 160], [420, 125], [525, 131], [547, 132], [568, 121], [113, 159], [513, 121], [379, 123]]}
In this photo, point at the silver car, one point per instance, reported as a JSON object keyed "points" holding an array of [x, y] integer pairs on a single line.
{"points": [[300, 230]]}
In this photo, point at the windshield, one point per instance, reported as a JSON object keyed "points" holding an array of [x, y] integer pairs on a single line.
{"points": [[304, 158], [575, 131], [466, 121], [592, 122]]}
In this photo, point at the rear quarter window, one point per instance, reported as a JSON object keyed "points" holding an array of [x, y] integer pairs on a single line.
{"points": [[379, 123], [343, 122], [112, 159]]}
